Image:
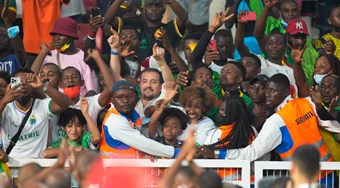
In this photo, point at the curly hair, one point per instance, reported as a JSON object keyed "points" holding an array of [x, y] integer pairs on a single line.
{"points": [[194, 92]]}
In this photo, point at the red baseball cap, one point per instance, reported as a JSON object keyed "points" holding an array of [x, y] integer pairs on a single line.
{"points": [[296, 26], [67, 27]]}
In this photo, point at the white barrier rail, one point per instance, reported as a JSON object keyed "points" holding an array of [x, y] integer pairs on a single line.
{"points": [[262, 167], [242, 177]]}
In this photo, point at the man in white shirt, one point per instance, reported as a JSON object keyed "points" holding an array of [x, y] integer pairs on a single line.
{"points": [[13, 108]]}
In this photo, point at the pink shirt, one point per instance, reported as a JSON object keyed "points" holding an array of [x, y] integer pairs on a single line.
{"points": [[77, 61]]}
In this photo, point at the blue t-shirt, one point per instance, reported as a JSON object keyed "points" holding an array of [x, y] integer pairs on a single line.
{"points": [[9, 64]]}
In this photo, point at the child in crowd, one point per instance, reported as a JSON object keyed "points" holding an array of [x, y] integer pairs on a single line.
{"points": [[173, 120], [197, 102], [74, 121]]}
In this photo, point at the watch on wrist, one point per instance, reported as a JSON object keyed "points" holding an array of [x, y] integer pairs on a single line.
{"points": [[45, 86]]}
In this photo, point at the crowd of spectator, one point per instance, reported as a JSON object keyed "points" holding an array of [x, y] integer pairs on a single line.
{"points": [[246, 80]]}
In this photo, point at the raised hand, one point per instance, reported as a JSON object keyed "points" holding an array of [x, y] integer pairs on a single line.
{"points": [[92, 53], [220, 18], [297, 52], [270, 3], [211, 55], [183, 78], [44, 48], [240, 15], [95, 23], [113, 41], [4, 10], [332, 106], [316, 96], [171, 89], [158, 53], [62, 154], [84, 105], [125, 47], [11, 93], [34, 81], [164, 38], [329, 47]]}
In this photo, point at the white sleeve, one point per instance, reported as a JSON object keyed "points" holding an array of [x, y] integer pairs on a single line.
{"points": [[268, 139], [213, 136], [44, 106], [122, 131], [330, 125]]}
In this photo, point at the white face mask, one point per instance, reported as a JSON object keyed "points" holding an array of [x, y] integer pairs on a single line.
{"points": [[318, 77]]}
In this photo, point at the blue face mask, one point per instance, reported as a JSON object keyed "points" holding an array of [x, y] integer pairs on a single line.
{"points": [[13, 31]]}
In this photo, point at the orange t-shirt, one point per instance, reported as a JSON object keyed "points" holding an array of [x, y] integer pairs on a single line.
{"points": [[39, 17]]}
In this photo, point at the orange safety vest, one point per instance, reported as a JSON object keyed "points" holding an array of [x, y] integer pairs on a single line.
{"points": [[232, 173], [112, 148], [301, 127]]}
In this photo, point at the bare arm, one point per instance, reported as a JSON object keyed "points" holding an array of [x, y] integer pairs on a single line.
{"points": [[180, 64], [95, 139], [158, 54], [59, 101], [299, 74], [239, 36], [50, 152], [168, 179], [261, 22], [182, 15], [16, 42], [170, 92], [39, 60]]}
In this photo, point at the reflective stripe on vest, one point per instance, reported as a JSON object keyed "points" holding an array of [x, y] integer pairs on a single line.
{"points": [[301, 127], [111, 148]]}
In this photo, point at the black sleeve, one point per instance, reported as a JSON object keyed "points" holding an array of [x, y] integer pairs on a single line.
{"points": [[198, 53], [323, 114], [89, 44]]}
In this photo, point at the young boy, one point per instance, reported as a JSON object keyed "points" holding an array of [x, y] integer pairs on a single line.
{"points": [[173, 122], [73, 122]]}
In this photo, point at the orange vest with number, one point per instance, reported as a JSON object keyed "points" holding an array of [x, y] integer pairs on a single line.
{"points": [[301, 127], [112, 148]]}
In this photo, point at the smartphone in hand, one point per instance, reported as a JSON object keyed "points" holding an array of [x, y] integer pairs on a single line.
{"points": [[212, 45], [95, 11], [251, 16], [15, 81]]}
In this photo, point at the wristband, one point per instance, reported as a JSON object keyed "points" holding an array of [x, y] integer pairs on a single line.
{"points": [[114, 53], [161, 63], [89, 37], [45, 86]]}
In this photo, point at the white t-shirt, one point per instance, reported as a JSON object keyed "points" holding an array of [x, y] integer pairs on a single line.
{"points": [[218, 68], [202, 129], [94, 106], [34, 136], [268, 68]]}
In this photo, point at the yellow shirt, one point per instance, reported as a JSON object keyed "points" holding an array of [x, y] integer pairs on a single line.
{"points": [[320, 43]]}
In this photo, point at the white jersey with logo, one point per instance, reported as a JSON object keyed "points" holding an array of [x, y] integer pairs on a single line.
{"points": [[34, 136]]}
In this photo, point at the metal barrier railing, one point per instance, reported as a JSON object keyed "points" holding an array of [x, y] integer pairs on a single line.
{"points": [[241, 177], [265, 169]]}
